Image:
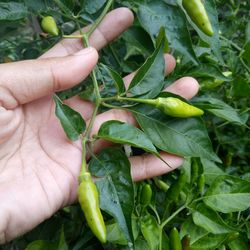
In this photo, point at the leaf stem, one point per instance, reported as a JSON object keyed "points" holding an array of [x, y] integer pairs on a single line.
{"points": [[100, 18], [145, 101]]}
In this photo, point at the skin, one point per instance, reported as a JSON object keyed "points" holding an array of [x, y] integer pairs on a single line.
{"points": [[38, 165]]}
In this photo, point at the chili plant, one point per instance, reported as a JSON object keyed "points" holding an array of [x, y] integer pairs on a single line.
{"points": [[204, 204]]}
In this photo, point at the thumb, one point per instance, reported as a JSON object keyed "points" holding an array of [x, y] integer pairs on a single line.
{"points": [[25, 81]]}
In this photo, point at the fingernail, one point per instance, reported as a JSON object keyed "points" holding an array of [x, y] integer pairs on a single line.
{"points": [[84, 51]]}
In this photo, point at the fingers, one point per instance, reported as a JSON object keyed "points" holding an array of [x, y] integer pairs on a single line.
{"points": [[34, 79], [115, 22], [148, 166], [186, 87]]}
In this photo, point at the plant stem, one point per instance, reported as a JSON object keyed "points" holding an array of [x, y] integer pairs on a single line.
{"points": [[231, 43], [89, 128], [84, 164], [85, 41], [164, 223], [72, 36], [100, 18], [156, 214]]}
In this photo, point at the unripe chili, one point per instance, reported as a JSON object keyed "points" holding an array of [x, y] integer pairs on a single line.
{"points": [[175, 107], [197, 12], [89, 201], [201, 184], [194, 170], [162, 185], [175, 189], [146, 195], [174, 240], [49, 26]]}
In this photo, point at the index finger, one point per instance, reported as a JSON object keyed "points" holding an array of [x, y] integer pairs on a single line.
{"points": [[114, 23]]}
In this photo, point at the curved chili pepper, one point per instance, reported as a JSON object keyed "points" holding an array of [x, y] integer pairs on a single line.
{"points": [[146, 195], [89, 201], [175, 189], [175, 107], [197, 12]]}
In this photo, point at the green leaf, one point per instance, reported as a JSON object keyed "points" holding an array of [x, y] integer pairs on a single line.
{"points": [[115, 187], [241, 87], [115, 235], [124, 133], [151, 231], [12, 11], [184, 137], [209, 220], [60, 244], [160, 37], [209, 242], [137, 42], [92, 6], [246, 54], [41, 245], [37, 6], [248, 229], [211, 170], [195, 232], [208, 70], [157, 14], [239, 244], [228, 194], [248, 32], [149, 79], [117, 79], [71, 121], [220, 109]]}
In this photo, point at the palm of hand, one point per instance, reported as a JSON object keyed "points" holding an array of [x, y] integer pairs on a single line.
{"points": [[37, 160]]}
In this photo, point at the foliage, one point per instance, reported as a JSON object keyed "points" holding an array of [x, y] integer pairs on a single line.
{"points": [[216, 147]]}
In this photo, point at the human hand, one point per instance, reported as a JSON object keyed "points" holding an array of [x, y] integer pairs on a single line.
{"points": [[38, 165]]}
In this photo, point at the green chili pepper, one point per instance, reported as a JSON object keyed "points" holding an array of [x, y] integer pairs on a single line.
{"points": [[151, 231], [174, 241], [89, 201], [49, 26], [194, 170], [175, 107], [175, 189], [201, 184], [161, 184], [146, 195], [170, 106], [197, 12], [186, 242], [231, 237]]}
